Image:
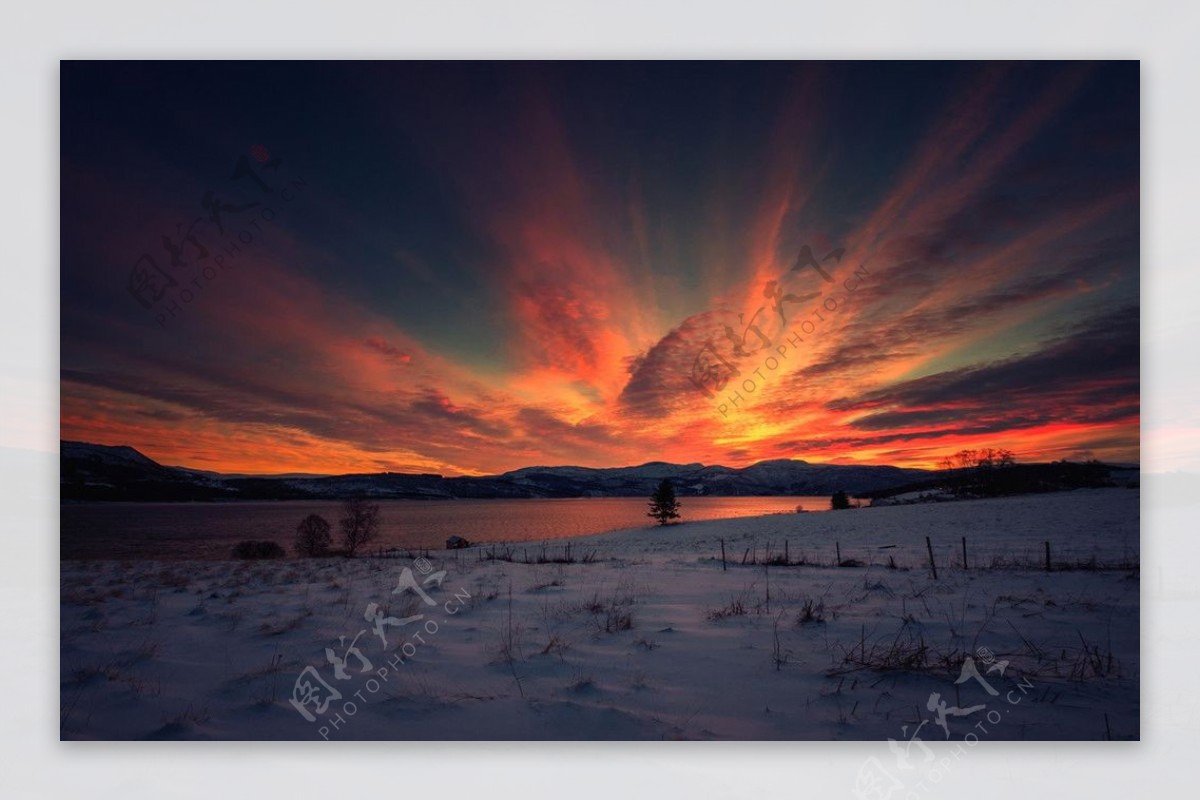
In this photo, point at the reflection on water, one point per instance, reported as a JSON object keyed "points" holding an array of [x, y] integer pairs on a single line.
{"points": [[209, 530]]}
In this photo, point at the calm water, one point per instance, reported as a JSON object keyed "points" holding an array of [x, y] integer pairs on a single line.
{"points": [[209, 530]]}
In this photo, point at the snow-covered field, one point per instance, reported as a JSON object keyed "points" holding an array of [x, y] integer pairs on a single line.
{"points": [[644, 635]]}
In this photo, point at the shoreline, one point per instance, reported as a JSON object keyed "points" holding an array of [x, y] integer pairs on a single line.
{"points": [[620, 533], [653, 639]]}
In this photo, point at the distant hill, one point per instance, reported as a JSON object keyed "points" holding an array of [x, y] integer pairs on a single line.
{"points": [[1015, 479], [120, 473], [776, 477]]}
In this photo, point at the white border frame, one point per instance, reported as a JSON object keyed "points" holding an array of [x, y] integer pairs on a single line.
{"points": [[35, 36]]}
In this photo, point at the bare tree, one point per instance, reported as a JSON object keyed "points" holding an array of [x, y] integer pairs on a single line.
{"points": [[312, 536], [980, 470], [360, 523], [966, 458]]}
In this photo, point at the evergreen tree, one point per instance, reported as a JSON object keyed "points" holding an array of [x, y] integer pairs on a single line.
{"points": [[663, 505], [840, 500]]}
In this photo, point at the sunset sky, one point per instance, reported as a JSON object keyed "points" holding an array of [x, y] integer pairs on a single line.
{"points": [[467, 268]]}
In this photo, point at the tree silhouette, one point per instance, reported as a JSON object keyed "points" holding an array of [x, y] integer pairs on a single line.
{"points": [[312, 536], [360, 523], [984, 470], [839, 500], [663, 506]]}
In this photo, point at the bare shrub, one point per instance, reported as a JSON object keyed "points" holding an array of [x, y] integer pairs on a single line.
{"points": [[735, 608], [360, 524], [258, 549], [312, 536], [811, 612]]}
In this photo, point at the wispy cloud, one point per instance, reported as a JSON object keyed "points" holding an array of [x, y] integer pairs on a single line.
{"points": [[526, 271]]}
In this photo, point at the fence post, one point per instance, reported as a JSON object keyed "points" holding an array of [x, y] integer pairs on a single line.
{"points": [[932, 566], [723, 568], [1047, 556], [964, 540]]}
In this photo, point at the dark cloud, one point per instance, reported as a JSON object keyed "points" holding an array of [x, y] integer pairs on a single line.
{"points": [[660, 378], [437, 410], [547, 429], [1088, 375], [380, 345]]}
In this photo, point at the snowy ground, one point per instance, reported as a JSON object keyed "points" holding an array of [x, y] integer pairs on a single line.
{"points": [[647, 638]]}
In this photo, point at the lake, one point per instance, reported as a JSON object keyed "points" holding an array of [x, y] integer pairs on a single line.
{"points": [[209, 530]]}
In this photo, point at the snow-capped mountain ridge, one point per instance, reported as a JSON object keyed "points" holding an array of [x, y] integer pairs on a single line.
{"points": [[101, 472]]}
